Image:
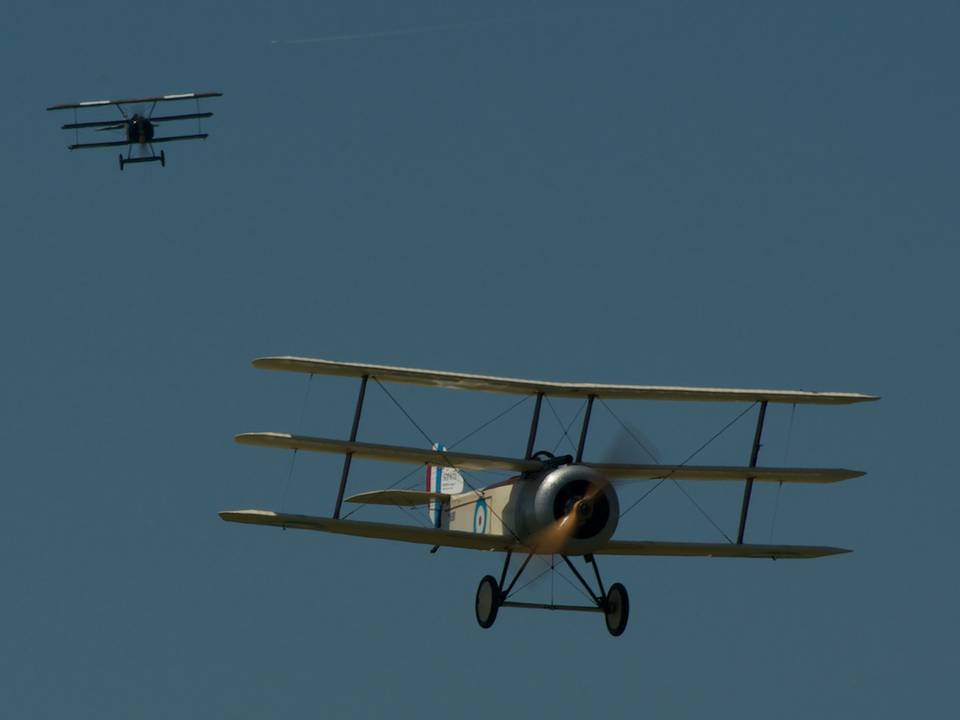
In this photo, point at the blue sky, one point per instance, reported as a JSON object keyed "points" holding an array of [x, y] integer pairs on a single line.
{"points": [[740, 193]]}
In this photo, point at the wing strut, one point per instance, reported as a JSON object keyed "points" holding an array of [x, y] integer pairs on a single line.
{"points": [[748, 488], [533, 429], [349, 456], [583, 429]]}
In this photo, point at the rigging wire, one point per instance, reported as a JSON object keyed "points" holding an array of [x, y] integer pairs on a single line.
{"points": [[630, 432], [690, 457], [786, 457], [564, 429], [673, 480], [489, 422], [463, 473], [293, 457]]}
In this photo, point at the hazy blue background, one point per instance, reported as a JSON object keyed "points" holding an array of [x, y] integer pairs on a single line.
{"points": [[735, 193]]}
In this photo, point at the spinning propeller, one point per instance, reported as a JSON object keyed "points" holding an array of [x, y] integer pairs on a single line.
{"points": [[582, 508]]}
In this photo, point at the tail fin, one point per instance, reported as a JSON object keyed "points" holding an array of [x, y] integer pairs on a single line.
{"points": [[446, 480]]}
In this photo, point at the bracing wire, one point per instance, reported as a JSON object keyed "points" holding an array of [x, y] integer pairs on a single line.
{"points": [[463, 473], [489, 422], [630, 432], [293, 456], [786, 460], [676, 484], [565, 429], [690, 457]]}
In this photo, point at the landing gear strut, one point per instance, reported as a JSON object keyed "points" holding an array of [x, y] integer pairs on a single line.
{"points": [[614, 604]]}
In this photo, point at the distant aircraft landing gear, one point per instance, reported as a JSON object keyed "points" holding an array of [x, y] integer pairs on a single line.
{"points": [[614, 604], [163, 159]]}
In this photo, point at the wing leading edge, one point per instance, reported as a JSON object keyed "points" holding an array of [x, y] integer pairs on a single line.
{"points": [[500, 543], [472, 461], [132, 101], [486, 383]]}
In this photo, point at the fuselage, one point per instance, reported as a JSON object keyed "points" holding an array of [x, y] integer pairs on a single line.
{"points": [[529, 506], [139, 130]]}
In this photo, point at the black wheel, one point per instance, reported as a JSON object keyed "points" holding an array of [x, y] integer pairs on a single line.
{"points": [[488, 601], [617, 609], [163, 159], [121, 160]]}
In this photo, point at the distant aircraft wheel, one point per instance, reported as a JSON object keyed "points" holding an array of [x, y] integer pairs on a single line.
{"points": [[488, 601], [617, 609], [163, 159], [121, 160]]}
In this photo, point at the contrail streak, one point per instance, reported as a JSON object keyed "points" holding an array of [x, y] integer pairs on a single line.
{"points": [[395, 33]]}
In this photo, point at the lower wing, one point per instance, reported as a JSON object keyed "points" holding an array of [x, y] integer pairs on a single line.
{"points": [[503, 543]]}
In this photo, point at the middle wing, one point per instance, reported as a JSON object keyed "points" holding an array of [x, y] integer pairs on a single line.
{"points": [[120, 123], [471, 461]]}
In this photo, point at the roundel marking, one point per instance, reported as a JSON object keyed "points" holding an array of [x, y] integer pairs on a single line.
{"points": [[480, 512]]}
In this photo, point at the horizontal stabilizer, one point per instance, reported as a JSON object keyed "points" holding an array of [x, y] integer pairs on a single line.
{"points": [[471, 541], [471, 461], [466, 381], [399, 498]]}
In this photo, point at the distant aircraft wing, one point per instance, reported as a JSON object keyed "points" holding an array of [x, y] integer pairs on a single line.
{"points": [[133, 101], [172, 138], [381, 531], [688, 549], [121, 123], [473, 461], [116, 143], [467, 381], [115, 123]]}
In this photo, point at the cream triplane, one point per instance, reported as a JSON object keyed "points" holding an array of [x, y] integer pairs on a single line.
{"points": [[554, 505]]}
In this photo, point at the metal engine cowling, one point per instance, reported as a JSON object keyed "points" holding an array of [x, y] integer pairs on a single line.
{"points": [[545, 502]]}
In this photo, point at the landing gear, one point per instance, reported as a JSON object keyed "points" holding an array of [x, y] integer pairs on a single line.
{"points": [[121, 161], [488, 601], [163, 159], [616, 609], [613, 604]]}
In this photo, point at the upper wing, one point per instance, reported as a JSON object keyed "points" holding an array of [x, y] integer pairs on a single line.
{"points": [[132, 101], [439, 378], [472, 461], [688, 549], [471, 541]]}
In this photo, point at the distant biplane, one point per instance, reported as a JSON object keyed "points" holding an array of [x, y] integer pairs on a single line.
{"points": [[553, 505], [138, 126]]}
